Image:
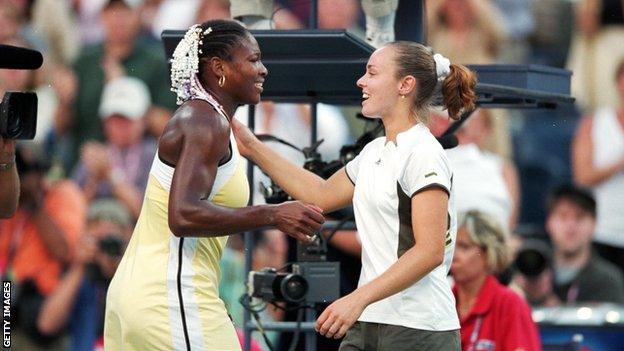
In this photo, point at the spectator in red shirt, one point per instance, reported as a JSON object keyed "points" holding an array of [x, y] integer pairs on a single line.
{"points": [[492, 317]]}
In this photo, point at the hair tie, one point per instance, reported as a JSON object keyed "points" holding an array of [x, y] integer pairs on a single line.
{"points": [[443, 66]]}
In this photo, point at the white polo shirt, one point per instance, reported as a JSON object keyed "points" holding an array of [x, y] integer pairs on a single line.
{"points": [[386, 177]]}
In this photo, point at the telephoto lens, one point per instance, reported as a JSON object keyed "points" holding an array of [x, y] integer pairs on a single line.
{"points": [[533, 258], [292, 287], [270, 285], [18, 115]]}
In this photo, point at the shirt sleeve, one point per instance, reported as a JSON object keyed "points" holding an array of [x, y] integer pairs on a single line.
{"points": [[353, 167], [425, 168]]}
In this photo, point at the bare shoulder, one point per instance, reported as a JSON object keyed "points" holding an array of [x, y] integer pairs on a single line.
{"points": [[194, 123]]}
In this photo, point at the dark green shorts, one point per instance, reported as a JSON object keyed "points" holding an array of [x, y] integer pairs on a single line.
{"points": [[365, 336]]}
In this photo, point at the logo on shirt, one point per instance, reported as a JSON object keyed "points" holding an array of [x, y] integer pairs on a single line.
{"points": [[430, 174], [448, 239]]}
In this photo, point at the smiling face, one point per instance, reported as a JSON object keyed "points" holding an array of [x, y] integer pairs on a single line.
{"points": [[244, 72], [380, 87]]}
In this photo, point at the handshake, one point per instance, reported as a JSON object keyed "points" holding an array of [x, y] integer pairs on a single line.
{"points": [[299, 220]]}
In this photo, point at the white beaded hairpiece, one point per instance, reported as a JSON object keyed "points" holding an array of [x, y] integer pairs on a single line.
{"points": [[443, 66], [185, 64]]}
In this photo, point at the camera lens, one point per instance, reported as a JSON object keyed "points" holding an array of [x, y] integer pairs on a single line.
{"points": [[293, 288], [531, 262], [112, 245], [13, 125]]}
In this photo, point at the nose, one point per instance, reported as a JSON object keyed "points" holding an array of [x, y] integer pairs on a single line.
{"points": [[263, 70], [360, 82]]}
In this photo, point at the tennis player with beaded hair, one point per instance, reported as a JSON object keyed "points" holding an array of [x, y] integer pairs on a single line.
{"points": [[164, 295]]}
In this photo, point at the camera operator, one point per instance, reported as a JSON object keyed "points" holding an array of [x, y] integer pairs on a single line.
{"points": [[9, 180], [36, 243], [78, 301], [534, 273], [579, 275]]}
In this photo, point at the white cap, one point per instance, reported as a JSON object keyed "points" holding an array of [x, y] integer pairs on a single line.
{"points": [[126, 96]]}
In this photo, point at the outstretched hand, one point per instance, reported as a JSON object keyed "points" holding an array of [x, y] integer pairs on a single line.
{"points": [[299, 220], [244, 137], [340, 316]]}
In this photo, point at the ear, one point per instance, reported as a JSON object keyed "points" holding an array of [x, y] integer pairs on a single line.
{"points": [[407, 85], [217, 66]]}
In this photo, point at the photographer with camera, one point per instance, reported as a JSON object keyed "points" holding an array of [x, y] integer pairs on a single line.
{"points": [[77, 303], [9, 179], [119, 167], [533, 273], [578, 274], [37, 242]]}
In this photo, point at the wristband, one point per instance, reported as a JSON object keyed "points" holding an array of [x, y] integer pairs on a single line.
{"points": [[8, 165]]}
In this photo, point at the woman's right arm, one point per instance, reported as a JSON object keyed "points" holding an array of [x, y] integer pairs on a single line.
{"points": [[585, 172], [330, 195], [204, 144]]}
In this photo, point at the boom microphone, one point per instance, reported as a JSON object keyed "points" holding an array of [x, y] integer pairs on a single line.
{"points": [[13, 57]]}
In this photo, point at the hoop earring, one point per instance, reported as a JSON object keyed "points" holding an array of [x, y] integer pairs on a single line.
{"points": [[222, 81]]}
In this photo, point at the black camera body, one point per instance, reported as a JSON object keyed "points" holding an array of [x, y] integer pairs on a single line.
{"points": [[111, 245], [18, 115], [312, 279], [533, 258], [310, 282], [270, 285]]}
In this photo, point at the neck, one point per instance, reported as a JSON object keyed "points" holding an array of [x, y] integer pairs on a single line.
{"points": [[228, 104], [467, 293], [396, 121], [120, 49], [577, 259]]}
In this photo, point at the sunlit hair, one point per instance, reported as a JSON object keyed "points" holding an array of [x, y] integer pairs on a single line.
{"points": [[487, 233], [457, 88]]}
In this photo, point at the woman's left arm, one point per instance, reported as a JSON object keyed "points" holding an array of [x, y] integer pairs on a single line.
{"points": [[429, 223]]}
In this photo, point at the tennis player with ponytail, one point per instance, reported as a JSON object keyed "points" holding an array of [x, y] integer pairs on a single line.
{"points": [[401, 189]]}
